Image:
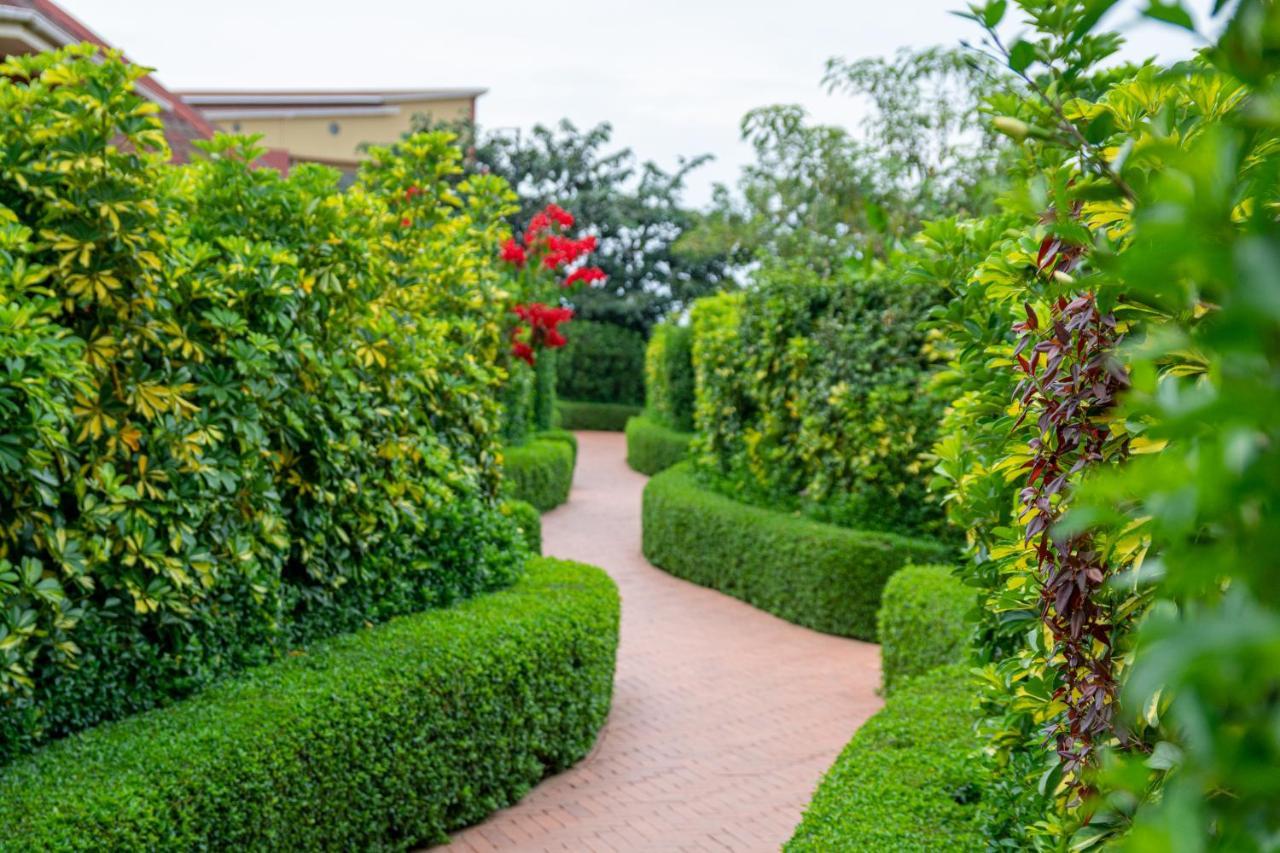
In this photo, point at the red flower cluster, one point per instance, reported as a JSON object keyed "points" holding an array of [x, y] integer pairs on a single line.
{"points": [[565, 250], [513, 253], [411, 192], [543, 324], [586, 275]]}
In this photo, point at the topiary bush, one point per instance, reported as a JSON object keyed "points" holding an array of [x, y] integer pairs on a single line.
{"points": [[238, 411], [382, 739], [654, 447], [561, 435], [904, 782], [607, 417], [540, 472], [819, 575], [922, 623], [669, 379], [602, 363]]}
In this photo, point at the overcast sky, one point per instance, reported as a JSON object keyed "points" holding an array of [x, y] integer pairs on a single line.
{"points": [[674, 77]]}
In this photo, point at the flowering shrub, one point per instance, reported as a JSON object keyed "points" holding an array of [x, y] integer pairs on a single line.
{"points": [[237, 411], [546, 262]]}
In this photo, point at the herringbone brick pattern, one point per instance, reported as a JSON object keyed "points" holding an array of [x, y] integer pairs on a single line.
{"points": [[724, 717]]}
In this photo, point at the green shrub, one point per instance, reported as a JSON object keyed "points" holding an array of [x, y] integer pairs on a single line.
{"points": [[601, 363], [818, 401], [529, 520], [904, 782], [381, 739], [813, 574], [540, 472], [922, 622], [609, 417], [561, 435], [668, 376], [232, 417], [653, 447]]}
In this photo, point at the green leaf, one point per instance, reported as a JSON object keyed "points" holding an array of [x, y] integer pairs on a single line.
{"points": [[1021, 55]]}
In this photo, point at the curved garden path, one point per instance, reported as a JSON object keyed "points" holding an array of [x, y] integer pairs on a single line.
{"points": [[724, 717]]}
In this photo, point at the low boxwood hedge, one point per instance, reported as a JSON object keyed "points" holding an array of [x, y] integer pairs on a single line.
{"points": [[813, 574], [540, 471], [610, 417], [529, 520], [905, 781], [652, 447], [922, 622], [382, 739], [561, 435]]}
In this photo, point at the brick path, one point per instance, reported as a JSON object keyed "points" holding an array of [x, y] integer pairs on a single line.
{"points": [[724, 717]]}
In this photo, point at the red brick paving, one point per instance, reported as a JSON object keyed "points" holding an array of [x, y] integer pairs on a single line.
{"points": [[724, 717]]}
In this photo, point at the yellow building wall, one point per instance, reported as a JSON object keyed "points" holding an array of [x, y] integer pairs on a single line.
{"points": [[309, 137]]}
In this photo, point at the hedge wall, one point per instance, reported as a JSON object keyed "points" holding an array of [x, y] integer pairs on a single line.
{"points": [[668, 376], [383, 739], [654, 447], [216, 437], [540, 472], [601, 363], [905, 781], [826, 577], [609, 417], [922, 622]]}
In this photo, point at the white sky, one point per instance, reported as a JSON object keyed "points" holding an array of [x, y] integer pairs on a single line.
{"points": [[673, 76]]}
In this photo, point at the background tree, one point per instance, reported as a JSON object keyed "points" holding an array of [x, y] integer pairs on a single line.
{"points": [[635, 209]]}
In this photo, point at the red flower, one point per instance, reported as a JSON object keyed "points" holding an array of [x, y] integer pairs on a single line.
{"points": [[587, 275], [564, 250], [412, 191], [406, 222], [513, 253], [523, 351], [554, 339], [559, 215], [537, 225]]}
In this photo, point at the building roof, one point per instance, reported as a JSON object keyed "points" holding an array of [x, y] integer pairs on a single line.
{"points": [[28, 26], [223, 104]]}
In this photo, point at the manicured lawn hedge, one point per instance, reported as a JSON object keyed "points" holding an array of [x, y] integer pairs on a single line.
{"points": [[540, 472], [611, 417], [922, 622], [813, 574], [561, 435], [652, 447], [903, 782], [382, 739]]}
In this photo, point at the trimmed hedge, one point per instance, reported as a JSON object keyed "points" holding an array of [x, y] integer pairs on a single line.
{"points": [[814, 574], [652, 447], [904, 782], [601, 363], [540, 472], [668, 376], [922, 622], [382, 739], [561, 435], [529, 520], [610, 417]]}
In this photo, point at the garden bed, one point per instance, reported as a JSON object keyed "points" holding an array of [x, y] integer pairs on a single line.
{"points": [[654, 447], [385, 738], [818, 575]]}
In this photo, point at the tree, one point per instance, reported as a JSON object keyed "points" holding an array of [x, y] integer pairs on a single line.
{"points": [[635, 210]]}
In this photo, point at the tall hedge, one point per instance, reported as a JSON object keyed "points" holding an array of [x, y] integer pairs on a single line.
{"points": [[668, 375], [383, 739], [601, 363], [238, 411], [818, 398]]}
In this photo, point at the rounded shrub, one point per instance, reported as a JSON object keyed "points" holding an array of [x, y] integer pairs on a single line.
{"points": [[905, 782], [601, 363], [540, 472], [814, 574], [653, 447], [382, 739], [529, 520], [922, 622]]}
